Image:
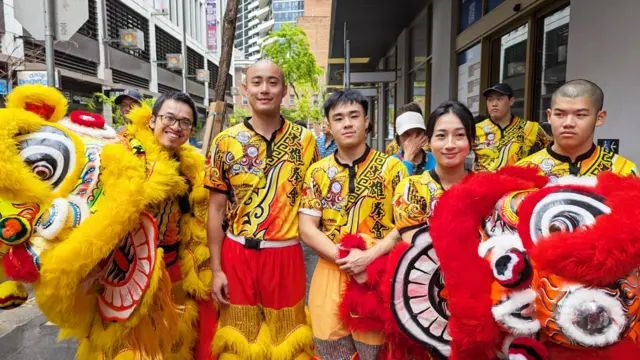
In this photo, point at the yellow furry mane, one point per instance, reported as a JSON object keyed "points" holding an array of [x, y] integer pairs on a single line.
{"points": [[38, 94]]}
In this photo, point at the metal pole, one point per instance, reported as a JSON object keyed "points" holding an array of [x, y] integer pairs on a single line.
{"points": [[49, 34], [184, 45], [347, 67]]}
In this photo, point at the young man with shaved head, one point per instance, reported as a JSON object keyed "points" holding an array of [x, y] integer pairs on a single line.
{"points": [[576, 110], [258, 166]]}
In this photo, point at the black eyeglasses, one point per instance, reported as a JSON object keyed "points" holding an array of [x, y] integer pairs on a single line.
{"points": [[170, 120]]}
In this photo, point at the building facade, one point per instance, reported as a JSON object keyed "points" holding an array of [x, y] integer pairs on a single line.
{"points": [[438, 50], [94, 60]]}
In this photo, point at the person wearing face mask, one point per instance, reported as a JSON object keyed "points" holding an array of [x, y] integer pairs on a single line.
{"points": [[162, 133], [257, 167], [450, 131], [504, 138], [576, 110]]}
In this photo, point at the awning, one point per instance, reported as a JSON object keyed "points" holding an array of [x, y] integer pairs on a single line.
{"points": [[373, 26]]}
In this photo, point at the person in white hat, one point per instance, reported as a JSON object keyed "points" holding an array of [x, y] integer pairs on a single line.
{"points": [[412, 138]]}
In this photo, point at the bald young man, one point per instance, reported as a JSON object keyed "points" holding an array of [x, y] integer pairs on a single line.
{"points": [[576, 110], [258, 167]]}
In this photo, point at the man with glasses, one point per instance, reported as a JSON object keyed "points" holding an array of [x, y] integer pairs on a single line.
{"points": [[180, 213]]}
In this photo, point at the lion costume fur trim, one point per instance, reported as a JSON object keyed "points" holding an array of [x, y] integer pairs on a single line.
{"points": [[454, 230]]}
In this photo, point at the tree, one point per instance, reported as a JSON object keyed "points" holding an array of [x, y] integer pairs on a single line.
{"points": [[303, 110], [117, 118], [238, 115], [289, 48], [216, 117]]}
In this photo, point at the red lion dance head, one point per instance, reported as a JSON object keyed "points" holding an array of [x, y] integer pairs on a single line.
{"points": [[532, 270]]}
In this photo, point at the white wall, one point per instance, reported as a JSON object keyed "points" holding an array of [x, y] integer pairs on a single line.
{"points": [[603, 48]]}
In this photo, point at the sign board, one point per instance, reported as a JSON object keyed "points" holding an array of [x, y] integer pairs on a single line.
{"points": [[35, 77], [132, 39], [70, 15], [212, 25], [3, 87], [202, 75], [612, 145], [174, 61]]}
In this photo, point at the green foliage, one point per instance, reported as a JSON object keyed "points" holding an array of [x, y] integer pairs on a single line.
{"points": [[303, 110], [101, 98], [238, 115], [290, 50]]}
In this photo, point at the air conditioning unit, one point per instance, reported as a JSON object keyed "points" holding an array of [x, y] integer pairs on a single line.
{"points": [[132, 39]]}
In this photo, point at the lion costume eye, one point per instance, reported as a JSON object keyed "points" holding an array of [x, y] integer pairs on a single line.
{"points": [[566, 210], [50, 154]]}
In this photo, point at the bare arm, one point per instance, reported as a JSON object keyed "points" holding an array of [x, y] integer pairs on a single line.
{"points": [[311, 235], [215, 237], [408, 236]]}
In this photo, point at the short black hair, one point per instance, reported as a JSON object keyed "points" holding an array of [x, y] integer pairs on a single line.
{"points": [[301, 123], [459, 110], [177, 96], [410, 107], [345, 97], [580, 88]]}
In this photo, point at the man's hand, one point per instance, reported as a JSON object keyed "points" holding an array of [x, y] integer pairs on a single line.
{"points": [[220, 288], [360, 278], [413, 147], [356, 262]]}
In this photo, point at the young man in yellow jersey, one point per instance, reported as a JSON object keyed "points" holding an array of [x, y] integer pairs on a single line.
{"points": [[503, 138], [349, 192], [576, 110], [258, 267]]}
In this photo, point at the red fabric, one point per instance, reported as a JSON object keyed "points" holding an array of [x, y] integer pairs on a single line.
{"points": [[583, 255], [622, 350], [454, 230], [85, 118], [45, 111], [207, 323], [274, 278], [18, 265]]}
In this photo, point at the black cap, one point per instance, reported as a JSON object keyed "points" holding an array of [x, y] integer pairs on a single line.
{"points": [[501, 88], [133, 94]]}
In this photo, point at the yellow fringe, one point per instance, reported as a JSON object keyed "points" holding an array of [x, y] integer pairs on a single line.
{"points": [[229, 340], [13, 288], [17, 182], [38, 94], [182, 348], [299, 341], [68, 262], [147, 335]]}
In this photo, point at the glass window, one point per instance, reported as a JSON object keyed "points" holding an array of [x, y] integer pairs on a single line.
{"points": [[419, 42], [245, 101], [551, 60], [492, 4], [470, 12], [391, 107], [315, 100], [292, 99], [511, 51], [419, 86], [469, 78]]}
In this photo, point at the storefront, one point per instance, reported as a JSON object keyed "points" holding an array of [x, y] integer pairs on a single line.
{"points": [[454, 49]]}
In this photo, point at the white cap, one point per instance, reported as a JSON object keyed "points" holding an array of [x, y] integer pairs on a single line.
{"points": [[409, 120]]}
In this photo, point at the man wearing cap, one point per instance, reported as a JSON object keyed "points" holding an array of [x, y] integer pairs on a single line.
{"points": [[125, 101], [410, 134], [504, 138]]}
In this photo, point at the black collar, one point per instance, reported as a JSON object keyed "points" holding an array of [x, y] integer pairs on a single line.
{"points": [[273, 136], [500, 127], [435, 177], [357, 161], [567, 159]]}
